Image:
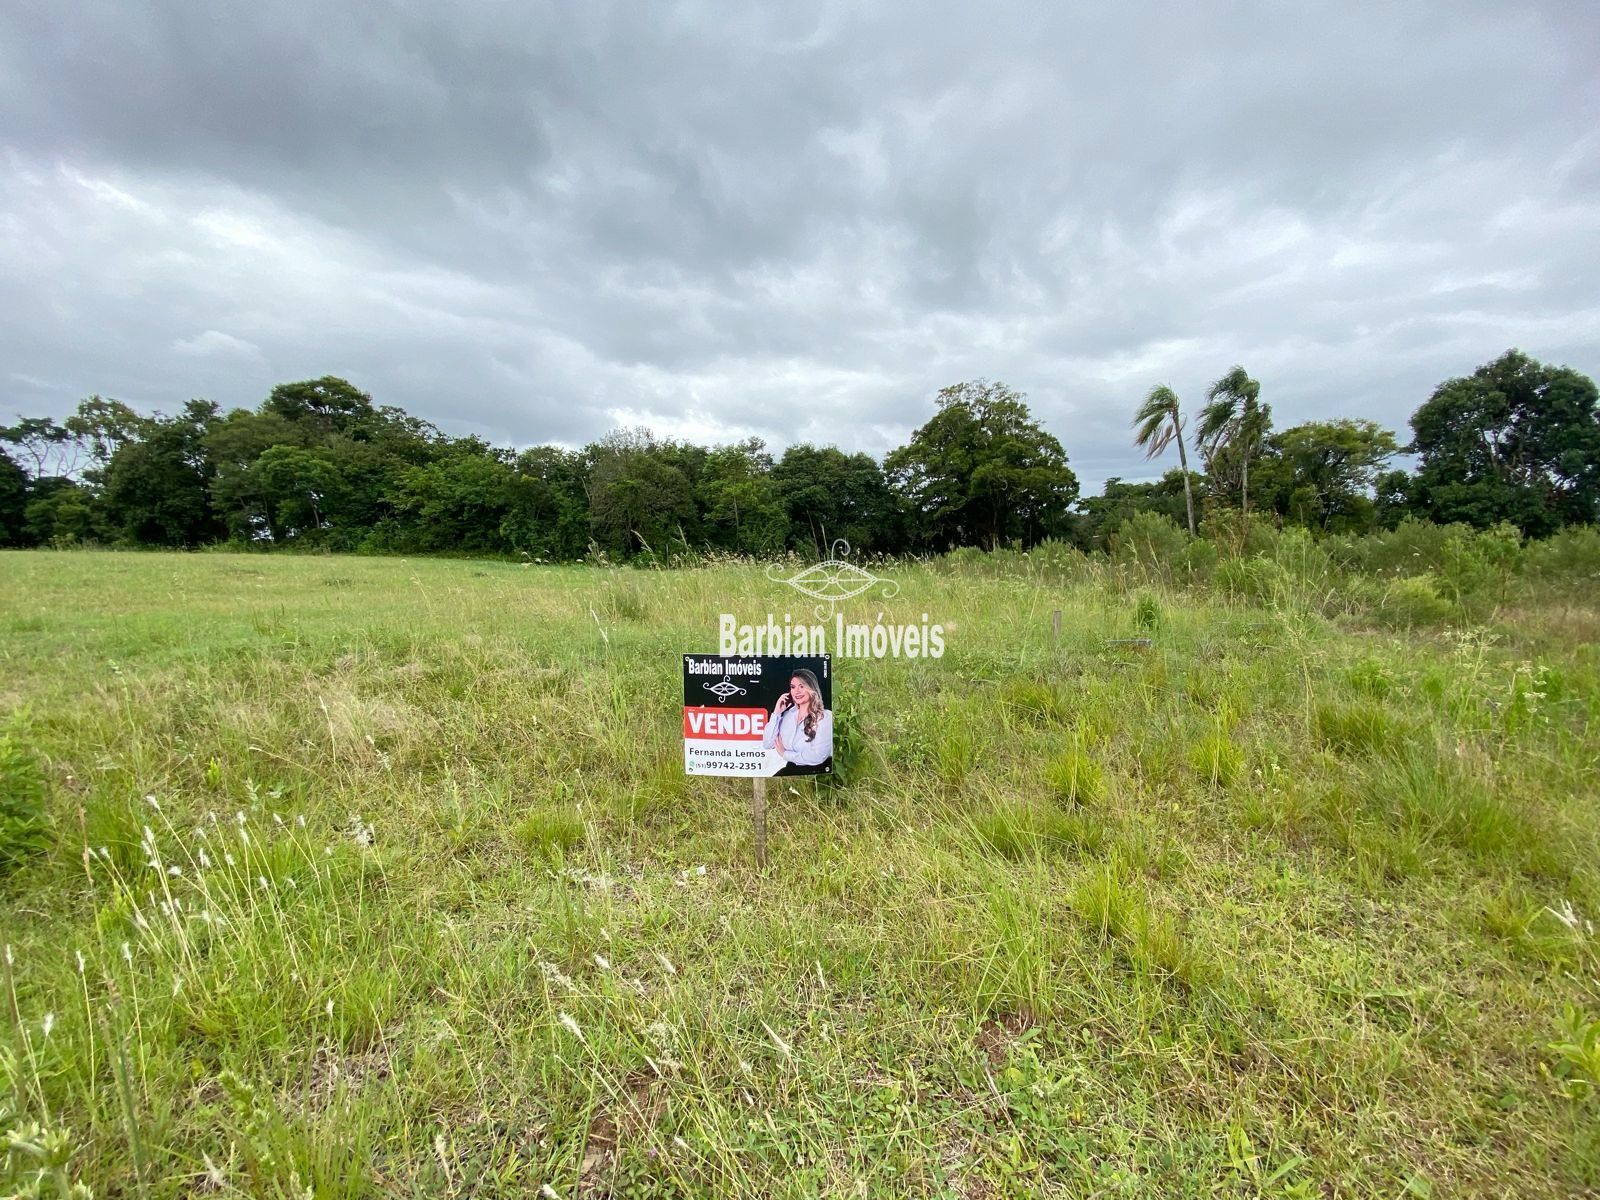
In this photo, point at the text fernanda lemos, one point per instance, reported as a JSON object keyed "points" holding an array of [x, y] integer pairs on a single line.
{"points": [[877, 640]]}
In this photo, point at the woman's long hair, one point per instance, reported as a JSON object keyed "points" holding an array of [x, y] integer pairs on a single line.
{"points": [[814, 710]]}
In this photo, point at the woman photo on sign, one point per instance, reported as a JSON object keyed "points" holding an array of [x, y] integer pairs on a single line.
{"points": [[801, 729]]}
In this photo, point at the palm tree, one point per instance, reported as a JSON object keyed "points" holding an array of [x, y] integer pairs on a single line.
{"points": [[1236, 418], [1157, 425]]}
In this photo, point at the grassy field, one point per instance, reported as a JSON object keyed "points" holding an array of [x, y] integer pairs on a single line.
{"points": [[381, 877]]}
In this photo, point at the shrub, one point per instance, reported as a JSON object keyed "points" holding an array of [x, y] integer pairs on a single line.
{"points": [[22, 820], [1408, 603], [1196, 561], [1571, 556], [1150, 543], [1260, 579]]}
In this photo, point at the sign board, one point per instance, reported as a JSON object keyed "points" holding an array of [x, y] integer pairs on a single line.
{"points": [[757, 716]]}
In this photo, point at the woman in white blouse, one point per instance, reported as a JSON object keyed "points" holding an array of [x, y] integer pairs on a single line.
{"points": [[801, 729]]}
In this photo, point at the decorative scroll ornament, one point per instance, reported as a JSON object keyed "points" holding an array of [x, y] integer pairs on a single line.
{"points": [[723, 689], [833, 579]]}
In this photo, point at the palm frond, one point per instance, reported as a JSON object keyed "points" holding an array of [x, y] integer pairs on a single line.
{"points": [[1154, 423]]}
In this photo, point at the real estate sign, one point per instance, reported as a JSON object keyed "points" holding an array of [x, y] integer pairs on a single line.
{"points": [[757, 716]]}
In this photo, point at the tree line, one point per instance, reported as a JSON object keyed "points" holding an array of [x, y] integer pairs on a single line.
{"points": [[319, 465]]}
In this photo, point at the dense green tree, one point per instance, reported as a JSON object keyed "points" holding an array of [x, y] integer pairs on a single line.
{"points": [[1156, 426], [1170, 496], [13, 502], [156, 489], [298, 488], [1515, 441], [1322, 474], [62, 511], [551, 517], [1230, 432], [828, 494], [982, 471], [464, 500], [234, 444], [329, 405], [1391, 498], [641, 494], [740, 503]]}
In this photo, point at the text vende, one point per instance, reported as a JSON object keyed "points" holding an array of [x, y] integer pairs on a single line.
{"points": [[725, 723]]}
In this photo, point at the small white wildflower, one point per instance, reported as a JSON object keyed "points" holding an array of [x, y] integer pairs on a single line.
{"points": [[700, 871], [177, 984], [153, 802], [746, 1067], [545, 1190], [10, 962], [127, 954], [666, 963], [214, 1174], [149, 839], [261, 881], [601, 961], [49, 1023], [328, 1008], [244, 837], [239, 817], [174, 870], [205, 862], [327, 852], [570, 1025], [300, 820], [105, 853], [82, 964], [227, 858], [289, 879], [276, 819], [680, 1143]]}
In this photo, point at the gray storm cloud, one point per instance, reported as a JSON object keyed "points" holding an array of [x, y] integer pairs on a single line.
{"points": [[534, 222]]}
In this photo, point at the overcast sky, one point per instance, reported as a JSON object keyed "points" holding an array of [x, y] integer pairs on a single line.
{"points": [[537, 222]]}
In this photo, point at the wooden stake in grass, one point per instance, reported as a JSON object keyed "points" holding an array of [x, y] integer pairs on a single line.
{"points": [[758, 810]]}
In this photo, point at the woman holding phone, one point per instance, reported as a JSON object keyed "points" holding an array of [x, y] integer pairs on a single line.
{"points": [[800, 729]]}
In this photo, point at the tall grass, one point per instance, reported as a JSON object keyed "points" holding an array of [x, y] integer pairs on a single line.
{"points": [[376, 877]]}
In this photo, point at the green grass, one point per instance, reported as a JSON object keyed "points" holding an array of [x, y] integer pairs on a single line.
{"points": [[376, 877]]}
